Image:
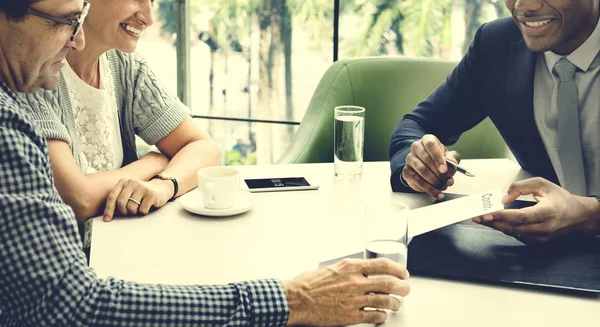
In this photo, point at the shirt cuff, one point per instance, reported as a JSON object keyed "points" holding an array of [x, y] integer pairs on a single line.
{"points": [[403, 181], [399, 184], [597, 198], [269, 303]]}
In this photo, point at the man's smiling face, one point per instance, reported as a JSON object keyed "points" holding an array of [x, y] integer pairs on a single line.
{"points": [[557, 25]]}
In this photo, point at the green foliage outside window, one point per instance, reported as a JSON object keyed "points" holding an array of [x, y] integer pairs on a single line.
{"points": [[378, 27]]}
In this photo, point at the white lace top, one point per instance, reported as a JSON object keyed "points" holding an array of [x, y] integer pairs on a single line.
{"points": [[96, 120], [145, 107]]}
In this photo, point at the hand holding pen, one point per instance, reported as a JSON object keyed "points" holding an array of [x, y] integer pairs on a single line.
{"points": [[459, 168], [430, 167]]}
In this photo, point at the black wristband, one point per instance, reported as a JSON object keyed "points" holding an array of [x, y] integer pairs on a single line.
{"points": [[175, 187], [172, 179]]}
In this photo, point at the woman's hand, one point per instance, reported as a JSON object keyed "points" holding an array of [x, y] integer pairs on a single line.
{"points": [[132, 197]]}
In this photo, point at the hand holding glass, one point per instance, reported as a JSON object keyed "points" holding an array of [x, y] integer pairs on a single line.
{"points": [[387, 232], [387, 235]]}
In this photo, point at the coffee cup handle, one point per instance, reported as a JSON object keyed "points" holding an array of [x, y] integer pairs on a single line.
{"points": [[209, 190]]}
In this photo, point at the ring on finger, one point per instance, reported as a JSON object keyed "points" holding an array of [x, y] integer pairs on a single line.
{"points": [[134, 201]]}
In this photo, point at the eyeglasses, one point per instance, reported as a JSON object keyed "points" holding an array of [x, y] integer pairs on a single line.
{"points": [[77, 24]]}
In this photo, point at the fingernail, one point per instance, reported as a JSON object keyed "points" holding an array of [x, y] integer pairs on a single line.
{"points": [[505, 198], [441, 196], [450, 182], [488, 217], [442, 168], [476, 220], [106, 217]]}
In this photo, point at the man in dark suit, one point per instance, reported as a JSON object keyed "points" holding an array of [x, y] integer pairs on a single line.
{"points": [[536, 77]]}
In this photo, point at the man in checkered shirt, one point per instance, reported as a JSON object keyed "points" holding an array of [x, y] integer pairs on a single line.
{"points": [[44, 279]]}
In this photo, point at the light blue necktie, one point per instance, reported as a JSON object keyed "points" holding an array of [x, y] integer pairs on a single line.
{"points": [[569, 134]]}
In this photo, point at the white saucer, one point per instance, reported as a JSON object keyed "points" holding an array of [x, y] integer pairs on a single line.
{"points": [[192, 202]]}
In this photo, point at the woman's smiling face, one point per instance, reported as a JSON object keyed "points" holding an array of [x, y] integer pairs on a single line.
{"points": [[118, 24]]}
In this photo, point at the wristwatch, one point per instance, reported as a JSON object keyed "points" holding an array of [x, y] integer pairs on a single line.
{"points": [[168, 178]]}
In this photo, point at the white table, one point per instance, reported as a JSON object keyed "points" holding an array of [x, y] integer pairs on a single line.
{"points": [[287, 233]]}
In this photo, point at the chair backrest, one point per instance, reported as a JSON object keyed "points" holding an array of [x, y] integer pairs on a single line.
{"points": [[388, 87]]}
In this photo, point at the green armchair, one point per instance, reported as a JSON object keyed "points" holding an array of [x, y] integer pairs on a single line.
{"points": [[388, 87]]}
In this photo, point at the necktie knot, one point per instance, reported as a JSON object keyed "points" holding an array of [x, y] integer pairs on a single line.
{"points": [[565, 70]]}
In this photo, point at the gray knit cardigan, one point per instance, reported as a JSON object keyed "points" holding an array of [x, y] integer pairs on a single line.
{"points": [[145, 107]]}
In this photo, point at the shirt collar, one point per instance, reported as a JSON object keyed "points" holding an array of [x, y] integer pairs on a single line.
{"points": [[583, 56], [6, 90]]}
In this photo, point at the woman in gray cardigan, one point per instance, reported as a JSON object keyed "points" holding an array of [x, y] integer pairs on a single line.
{"points": [[107, 95]]}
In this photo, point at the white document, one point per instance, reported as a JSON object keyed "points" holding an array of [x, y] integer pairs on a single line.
{"points": [[442, 214]]}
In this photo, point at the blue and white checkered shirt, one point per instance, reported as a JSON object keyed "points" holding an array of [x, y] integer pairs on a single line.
{"points": [[44, 279]]}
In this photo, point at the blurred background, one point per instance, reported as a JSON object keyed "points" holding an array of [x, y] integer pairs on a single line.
{"points": [[253, 65]]}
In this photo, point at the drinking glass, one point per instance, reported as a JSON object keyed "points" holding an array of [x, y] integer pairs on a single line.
{"points": [[387, 232], [387, 235], [349, 136]]}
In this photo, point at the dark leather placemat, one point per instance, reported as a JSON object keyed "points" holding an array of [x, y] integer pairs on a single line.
{"points": [[485, 255], [480, 254]]}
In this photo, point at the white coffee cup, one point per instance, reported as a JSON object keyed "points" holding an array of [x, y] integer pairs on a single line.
{"points": [[219, 186]]}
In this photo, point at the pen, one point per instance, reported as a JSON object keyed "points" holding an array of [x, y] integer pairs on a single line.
{"points": [[459, 168]]}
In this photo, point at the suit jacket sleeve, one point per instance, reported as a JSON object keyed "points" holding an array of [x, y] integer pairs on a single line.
{"points": [[455, 107]]}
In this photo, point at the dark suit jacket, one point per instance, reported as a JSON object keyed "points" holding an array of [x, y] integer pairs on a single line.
{"points": [[494, 79]]}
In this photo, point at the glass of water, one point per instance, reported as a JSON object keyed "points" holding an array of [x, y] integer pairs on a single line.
{"points": [[349, 137], [387, 232], [387, 235]]}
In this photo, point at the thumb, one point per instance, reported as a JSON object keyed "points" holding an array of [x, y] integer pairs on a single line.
{"points": [[453, 156], [524, 187]]}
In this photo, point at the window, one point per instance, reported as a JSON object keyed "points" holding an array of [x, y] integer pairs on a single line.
{"points": [[440, 29], [256, 63], [253, 69]]}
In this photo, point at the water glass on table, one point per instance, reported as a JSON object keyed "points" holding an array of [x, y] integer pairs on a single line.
{"points": [[386, 227], [349, 136], [387, 232]]}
